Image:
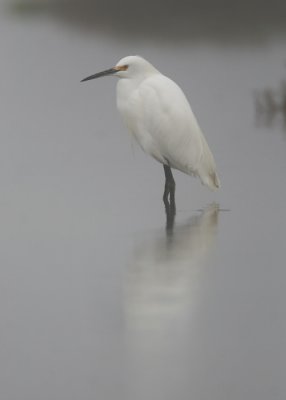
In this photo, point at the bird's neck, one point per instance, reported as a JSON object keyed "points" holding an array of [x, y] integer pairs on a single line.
{"points": [[125, 87]]}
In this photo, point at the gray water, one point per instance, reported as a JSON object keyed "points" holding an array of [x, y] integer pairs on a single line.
{"points": [[97, 299]]}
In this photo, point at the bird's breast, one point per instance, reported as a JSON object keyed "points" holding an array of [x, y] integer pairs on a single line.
{"points": [[128, 103], [132, 107]]}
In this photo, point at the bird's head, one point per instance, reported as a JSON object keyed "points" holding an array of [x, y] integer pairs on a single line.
{"points": [[128, 68]]}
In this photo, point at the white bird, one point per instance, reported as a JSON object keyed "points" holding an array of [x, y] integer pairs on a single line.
{"points": [[157, 113]]}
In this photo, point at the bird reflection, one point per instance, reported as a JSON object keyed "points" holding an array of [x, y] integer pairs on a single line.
{"points": [[164, 275]]}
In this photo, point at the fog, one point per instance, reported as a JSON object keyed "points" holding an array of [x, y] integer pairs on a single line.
{"points": [[105, 292]]}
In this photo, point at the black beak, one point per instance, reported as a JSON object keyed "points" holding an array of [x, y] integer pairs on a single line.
{"points": [[99, 74]]}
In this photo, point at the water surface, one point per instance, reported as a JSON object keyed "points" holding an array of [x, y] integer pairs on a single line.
{"points": [[97, 299]]}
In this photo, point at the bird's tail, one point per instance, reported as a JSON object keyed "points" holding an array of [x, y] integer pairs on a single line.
{"points": [[207, 171], [211, 180]]}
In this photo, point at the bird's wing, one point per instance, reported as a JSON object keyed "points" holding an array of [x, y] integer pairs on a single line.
{"points": [[165, 114]]}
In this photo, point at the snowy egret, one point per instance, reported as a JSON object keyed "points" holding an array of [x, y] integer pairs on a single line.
{"points": [[157, 113]]}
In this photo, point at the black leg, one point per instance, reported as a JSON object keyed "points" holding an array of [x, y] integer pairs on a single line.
{"points": [[168, 174], [169, 183], [169, 198]]}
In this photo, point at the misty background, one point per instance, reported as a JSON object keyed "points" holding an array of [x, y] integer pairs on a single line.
{"points": [[98, 300]]}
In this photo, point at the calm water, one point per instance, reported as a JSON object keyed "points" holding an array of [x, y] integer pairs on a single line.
{"points": [[97, 300]]}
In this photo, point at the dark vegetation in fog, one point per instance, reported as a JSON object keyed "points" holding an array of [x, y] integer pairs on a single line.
{"points": [[270, 104], [246, 20]]}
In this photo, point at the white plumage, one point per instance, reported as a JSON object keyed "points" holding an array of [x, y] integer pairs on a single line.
{"points": [[157, 113]]}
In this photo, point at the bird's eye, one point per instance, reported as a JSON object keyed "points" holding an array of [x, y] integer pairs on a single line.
{"points": [[121, 67]]}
